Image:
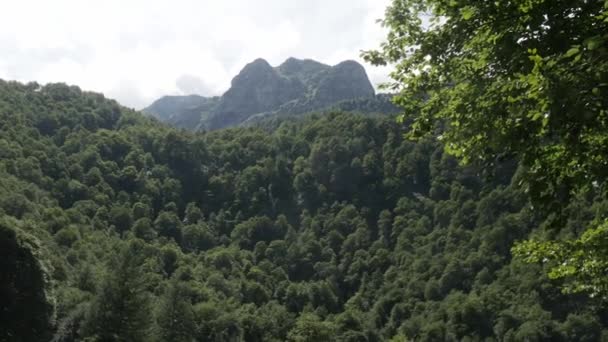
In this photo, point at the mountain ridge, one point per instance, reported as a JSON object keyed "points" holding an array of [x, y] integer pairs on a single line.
{"points": [[294, 87]]}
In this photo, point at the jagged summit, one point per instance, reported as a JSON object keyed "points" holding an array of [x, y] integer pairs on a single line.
{"points": [[301, 67], [256, 89], [254, 69], [296, 86], [347, 80], [259, 61]]}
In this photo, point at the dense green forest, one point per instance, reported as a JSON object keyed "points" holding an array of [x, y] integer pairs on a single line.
{"points": [[479, 214], [524, 80], [332, 228]]}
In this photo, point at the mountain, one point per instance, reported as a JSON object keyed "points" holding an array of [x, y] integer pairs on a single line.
{"points": [[166, 107], [260, 91], [182, 111], [344, 81], [381, 104], [257, 88], [115, 227]]}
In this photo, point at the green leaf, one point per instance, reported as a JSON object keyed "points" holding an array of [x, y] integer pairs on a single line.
{"points": [[594, 42], [467, 12], [573, 51]]}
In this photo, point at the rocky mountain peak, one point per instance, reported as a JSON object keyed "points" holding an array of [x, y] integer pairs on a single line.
{"points": [[294, 87], [252, 71]]}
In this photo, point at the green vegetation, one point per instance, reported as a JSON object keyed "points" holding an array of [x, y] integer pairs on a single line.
{"points": [[326, 227], [330, 228], [524, 79], [27, 306]]}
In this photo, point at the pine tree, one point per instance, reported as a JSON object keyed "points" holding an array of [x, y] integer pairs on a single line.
{"points": [[175, 316], [120, 310]]}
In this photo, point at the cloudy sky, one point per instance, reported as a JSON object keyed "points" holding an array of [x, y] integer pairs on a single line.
{"points": [[138, 50]]}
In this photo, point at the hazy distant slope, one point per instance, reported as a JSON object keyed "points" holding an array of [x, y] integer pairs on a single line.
{"points": [[182, 111], [167, 106]]}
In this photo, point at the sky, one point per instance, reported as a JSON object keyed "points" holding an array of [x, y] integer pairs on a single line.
{"points": [[136, 51]]}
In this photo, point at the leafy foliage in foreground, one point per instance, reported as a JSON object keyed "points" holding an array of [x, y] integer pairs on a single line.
{"points": [[514, 79], [27, 306], [584, 260], [333, 228]]}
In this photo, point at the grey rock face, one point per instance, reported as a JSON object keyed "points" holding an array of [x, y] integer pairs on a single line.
{"points": [[345, 81], [257, 88], [297, 86]]}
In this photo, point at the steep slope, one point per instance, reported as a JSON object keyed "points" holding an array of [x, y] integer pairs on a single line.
{"points": [[259, 90], [307, 71], [344, 81], [379, 105]]}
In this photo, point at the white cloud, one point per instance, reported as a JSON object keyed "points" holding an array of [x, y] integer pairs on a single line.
{"points": [[136, 50]]}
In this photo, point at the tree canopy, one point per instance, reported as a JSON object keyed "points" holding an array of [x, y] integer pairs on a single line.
{"points": [[507, 78], [522, 79], [328, 227]]}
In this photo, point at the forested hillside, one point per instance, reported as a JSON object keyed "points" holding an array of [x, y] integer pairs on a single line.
{"points": [[328, 228]]}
